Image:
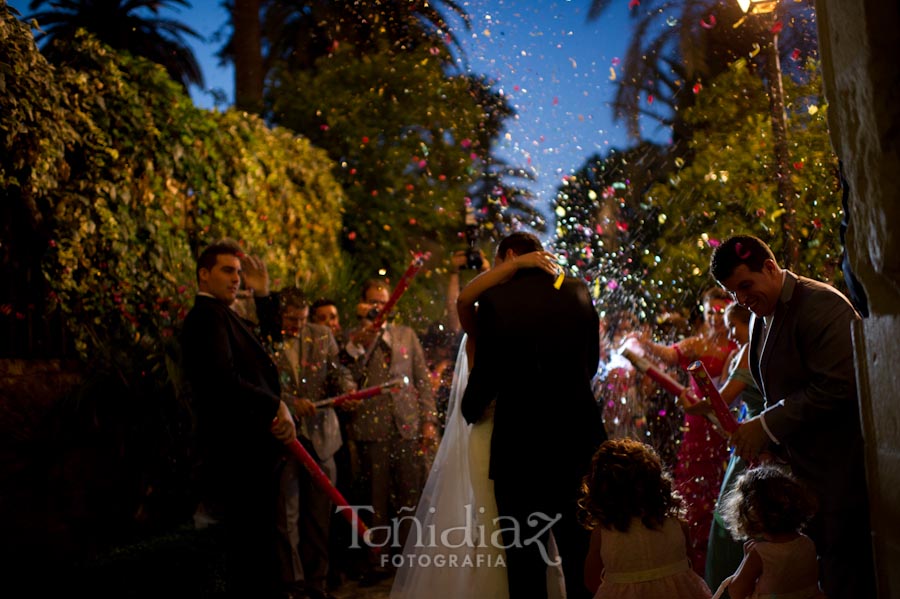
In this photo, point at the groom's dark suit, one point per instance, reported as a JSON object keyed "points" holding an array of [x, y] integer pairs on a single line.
{"points": [[537, 349]]}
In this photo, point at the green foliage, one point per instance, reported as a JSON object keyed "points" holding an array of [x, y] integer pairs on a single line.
{"points": [[131, 180], [401, 133], [729, 186], [601, 229], [645, 240]]}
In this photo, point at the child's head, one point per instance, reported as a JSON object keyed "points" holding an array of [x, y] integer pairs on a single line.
{"points": [[627, 480], [766, 500]]}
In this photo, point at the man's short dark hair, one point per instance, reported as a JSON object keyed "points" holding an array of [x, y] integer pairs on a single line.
{"points": [[292, 298], [321, 303], [209, 256], [740, 249], [519, 242]]}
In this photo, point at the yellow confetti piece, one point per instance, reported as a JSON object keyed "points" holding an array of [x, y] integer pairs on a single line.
{"points": [[813, 109], [559, 280], [754, 51], [612, 74]]}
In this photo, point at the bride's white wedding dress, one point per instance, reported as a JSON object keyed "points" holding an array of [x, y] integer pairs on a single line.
{"points": [[452, 551]]}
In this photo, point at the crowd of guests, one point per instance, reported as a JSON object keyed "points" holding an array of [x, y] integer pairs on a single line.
{"points": [[773, 343]]}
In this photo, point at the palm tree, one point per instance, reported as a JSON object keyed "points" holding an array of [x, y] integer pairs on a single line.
{"points": [[296, 34], [130, 25], [678, 44]]}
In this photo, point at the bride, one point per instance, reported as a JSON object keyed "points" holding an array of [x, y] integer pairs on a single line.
{"points": [[454, 549]]}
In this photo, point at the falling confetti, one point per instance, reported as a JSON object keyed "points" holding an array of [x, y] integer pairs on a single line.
{"points": [[795, 55], [754, 50], [697, 87], [633, 4], [612, 74], [813, 109], [710, 23]]}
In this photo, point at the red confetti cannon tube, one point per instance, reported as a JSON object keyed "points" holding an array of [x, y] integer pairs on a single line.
{"points": [[659, 375], [414, 266], [388, 387], [321, 480], [701, 376]]}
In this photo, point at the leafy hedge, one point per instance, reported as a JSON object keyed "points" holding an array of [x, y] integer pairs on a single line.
{"points": [[123, 180], [110, 182]]}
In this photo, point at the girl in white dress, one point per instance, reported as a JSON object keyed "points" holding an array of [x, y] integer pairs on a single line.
{"points": [[769, 506], [638, 543], [458, 556]]}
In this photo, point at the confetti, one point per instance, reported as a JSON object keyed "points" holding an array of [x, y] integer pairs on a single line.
{"points": [[697, 87], [754, 50], [777, 27], [795, 55], [813, 109], [708, 24], [633, 4], [612, 74], [671, 21]]}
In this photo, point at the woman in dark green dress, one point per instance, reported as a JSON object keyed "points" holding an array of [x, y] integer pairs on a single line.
{"points": [[724, 554]]}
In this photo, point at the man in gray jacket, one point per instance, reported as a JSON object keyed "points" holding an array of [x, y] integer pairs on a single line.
{"points": [[309, 367], [392, 429], [801, 356]]}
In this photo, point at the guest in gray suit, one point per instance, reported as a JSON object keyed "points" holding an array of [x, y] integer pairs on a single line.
{"points": [[801, 356], [390, 430], [309, 368]]}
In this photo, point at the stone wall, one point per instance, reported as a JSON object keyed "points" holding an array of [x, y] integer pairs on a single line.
{"points": [[860, 43]]}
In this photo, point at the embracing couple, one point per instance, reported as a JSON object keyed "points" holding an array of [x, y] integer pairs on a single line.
{"points": [[503, 483]]}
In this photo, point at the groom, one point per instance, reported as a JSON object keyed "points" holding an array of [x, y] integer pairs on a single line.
{"points": [[537, 348]]}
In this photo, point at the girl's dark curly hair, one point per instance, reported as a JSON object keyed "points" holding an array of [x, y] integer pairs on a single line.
{"points": [[627, 480], [766, 499]]}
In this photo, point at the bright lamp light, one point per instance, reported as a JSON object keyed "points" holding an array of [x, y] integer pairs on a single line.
{"points": [[757, 7]]}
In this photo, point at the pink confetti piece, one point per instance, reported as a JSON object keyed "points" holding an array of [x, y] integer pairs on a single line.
{"points": [[555, 100], [649, 98], [633, 3], [795, 55], [708, 24], [697, 88], [616, 61], [777, 27]]}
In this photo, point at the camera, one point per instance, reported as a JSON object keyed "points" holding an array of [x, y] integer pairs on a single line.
{"points": [[474, 259]]}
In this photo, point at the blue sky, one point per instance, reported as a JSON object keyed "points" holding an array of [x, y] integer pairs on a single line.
{"points": [[554, 66]]}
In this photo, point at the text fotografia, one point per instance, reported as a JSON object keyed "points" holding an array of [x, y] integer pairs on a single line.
{"points": [[444, 560], [440, 547]]}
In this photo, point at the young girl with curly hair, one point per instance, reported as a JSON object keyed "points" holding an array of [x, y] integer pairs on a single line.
{"points": [[769, 507], [638, 548]]}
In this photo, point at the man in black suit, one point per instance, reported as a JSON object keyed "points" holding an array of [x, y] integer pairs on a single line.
{"points": [[242, 424], [536, 351]]}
